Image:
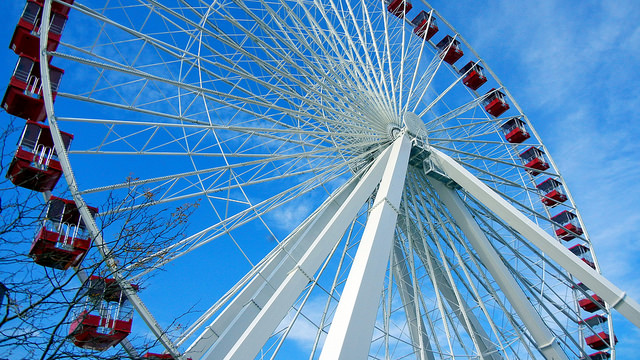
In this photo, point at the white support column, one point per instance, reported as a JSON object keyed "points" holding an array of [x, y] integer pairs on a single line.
{"points": [[275, 309], [221, 334], [419, 339], [352, 327], [487, 350], [544, 338], [611, 294]]}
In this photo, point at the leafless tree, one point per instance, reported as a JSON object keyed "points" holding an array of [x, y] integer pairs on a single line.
{"points": [[41, 302]]}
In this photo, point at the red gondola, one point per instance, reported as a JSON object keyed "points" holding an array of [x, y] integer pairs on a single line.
{"points": [[450, 50], [589, 262], [514, 130], [26, 37], [474, 75], [580, 286], [589, 305], [399, 8], [534, 160], [600, 341], [579, 249], [553, 192], [495, 103], [58, 8], [23, 97], [569, 225], [35, 165], [425, 25], [63, 240], [157, 356], [594, 321], [106, 317]]}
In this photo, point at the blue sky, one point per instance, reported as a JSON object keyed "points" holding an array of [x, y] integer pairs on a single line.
{"points": [[571, 66]]}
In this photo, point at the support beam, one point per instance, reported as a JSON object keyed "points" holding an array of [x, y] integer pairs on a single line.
{"points": [[352, 327], [221, 334], [487, 350], [544, 338], [275, 309], [407, 290], [611, 294]]}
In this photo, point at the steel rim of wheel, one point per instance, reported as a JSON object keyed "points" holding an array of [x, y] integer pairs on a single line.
{"points": [[255, 108]]}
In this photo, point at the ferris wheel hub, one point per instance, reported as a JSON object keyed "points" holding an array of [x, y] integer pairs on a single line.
{"points": [[394, 131], [414, 125]]}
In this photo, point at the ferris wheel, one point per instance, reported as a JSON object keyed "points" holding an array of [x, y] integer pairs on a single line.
{"points": [[365, 184]]}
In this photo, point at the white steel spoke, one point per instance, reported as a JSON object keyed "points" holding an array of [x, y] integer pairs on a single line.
{"points": [[401, 219]]}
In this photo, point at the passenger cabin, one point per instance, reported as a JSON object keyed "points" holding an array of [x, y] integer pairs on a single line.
{"points": [[590, 305], [450, 50], [399, 8], [425, 25], [514, 130], [61, 7], [594, 322], [569, 226], [582, 252], [579, 250], [600, 341], [580, 286], [63, 239], [106, 316], [553, 192], [35, 164], [600, 355], [533, 159], [23, 97], [26, 37], [157, 356], [473, 75], [495, 103]]}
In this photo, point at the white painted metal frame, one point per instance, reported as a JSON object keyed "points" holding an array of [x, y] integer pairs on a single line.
{"points": [[545, 340], [274, 310], [83, 209], [611, 294], [353, 323]]}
